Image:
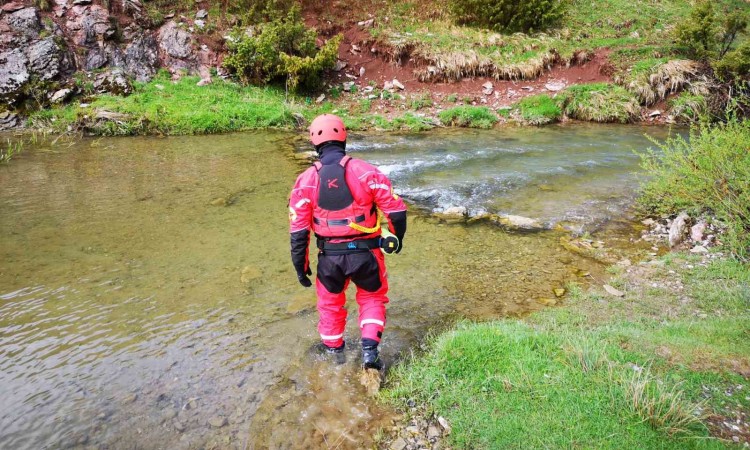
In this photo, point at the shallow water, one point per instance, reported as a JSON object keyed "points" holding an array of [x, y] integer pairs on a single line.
{"points": [[146, 289], [578, 175]]}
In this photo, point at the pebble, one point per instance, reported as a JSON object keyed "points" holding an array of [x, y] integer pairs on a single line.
{"points": [[444, 423], [168, 414], [130, 398], [613, 291], [179, 426], [433, 432], [398, 444], [217, 421]]}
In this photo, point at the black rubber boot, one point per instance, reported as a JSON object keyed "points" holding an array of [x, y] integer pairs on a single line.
{"points": [[371, 357], [337, 353]]}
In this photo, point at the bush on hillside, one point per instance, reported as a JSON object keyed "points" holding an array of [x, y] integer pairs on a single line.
{"points": [[708, 34], [710, 172], [508, 15], [281, 50], [736, 63]]}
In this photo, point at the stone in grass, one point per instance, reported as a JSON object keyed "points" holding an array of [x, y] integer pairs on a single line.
{"points": [[559, 292], [397, 84], [697, 231], [613, 291], [678, 229], [444, 423], [398, 444]]}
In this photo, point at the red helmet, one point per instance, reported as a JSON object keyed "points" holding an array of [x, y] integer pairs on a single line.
{"points": [[327, 127]]}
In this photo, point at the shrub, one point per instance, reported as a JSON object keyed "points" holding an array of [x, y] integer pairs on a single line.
{"points": [[599, 102], [282, 49], [710, 172], [508, 15], [468, 116], [705, 35], [539, 110], [736, 63]]}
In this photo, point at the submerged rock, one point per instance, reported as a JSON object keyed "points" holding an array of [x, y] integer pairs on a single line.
{"points": [[519, 222], [217, 421]]}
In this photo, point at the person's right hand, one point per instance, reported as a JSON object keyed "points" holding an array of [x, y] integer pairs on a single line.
{"points": [[304, 279]]}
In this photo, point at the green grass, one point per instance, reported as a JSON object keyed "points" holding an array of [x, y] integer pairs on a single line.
{"points": [[587, 26], [622, 376], [599, 102], [468, 116], [710, 172], [539, 110], [164, 107], [688, 107]]}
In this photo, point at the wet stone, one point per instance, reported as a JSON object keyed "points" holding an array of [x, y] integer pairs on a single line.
{"points": [[168, 414], [217, 421]]}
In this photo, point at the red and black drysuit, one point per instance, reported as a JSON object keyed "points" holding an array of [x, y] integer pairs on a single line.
{"points": [[326, 198]]}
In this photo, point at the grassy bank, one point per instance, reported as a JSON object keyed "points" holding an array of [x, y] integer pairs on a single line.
{"points": [[657, 368], [163, 106]]}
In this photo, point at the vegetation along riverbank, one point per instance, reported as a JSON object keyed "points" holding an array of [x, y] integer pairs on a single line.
{"points": [[656, 356], [131, 67]]}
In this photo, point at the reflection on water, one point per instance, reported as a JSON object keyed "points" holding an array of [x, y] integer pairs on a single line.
{"points": [[147, 298]]}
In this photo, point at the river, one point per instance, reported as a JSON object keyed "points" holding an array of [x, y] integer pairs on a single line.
{"points": [[147, 299]]}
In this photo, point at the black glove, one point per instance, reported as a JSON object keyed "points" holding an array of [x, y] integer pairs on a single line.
{"points": [[304, 279], [400, 244]]}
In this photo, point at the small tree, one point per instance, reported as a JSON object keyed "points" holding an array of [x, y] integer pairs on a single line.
{"points": [[705, 36], [280, 50]]}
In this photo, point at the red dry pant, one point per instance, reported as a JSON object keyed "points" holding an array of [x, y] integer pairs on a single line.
{"points": [[367, 271]]}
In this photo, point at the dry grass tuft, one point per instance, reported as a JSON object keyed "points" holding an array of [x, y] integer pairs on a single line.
{"points": [[665, 408], [665, 79]]}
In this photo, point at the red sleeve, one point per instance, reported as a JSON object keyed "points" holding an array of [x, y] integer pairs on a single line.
{"points": [[300, 201], [383, 195]]}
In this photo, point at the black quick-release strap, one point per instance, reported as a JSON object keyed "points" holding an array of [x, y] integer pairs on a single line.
{"points": [[356, 246], [339, 222]]}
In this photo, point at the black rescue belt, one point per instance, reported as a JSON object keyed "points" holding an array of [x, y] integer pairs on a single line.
{"points": [[343, 248]]}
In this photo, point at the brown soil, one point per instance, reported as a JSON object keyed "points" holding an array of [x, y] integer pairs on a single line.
{"points": [[358, 51]]}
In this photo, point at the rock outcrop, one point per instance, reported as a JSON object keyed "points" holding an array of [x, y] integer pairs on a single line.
{"points": [[42, 49], [45, 58], [13, 75], [141, 58]]}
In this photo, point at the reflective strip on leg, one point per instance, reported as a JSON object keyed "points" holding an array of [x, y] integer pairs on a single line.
{"points": [[373, 321], [331, 338]]}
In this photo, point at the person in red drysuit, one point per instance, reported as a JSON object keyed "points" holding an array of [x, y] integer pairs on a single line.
{"points": [[338, 199]]}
